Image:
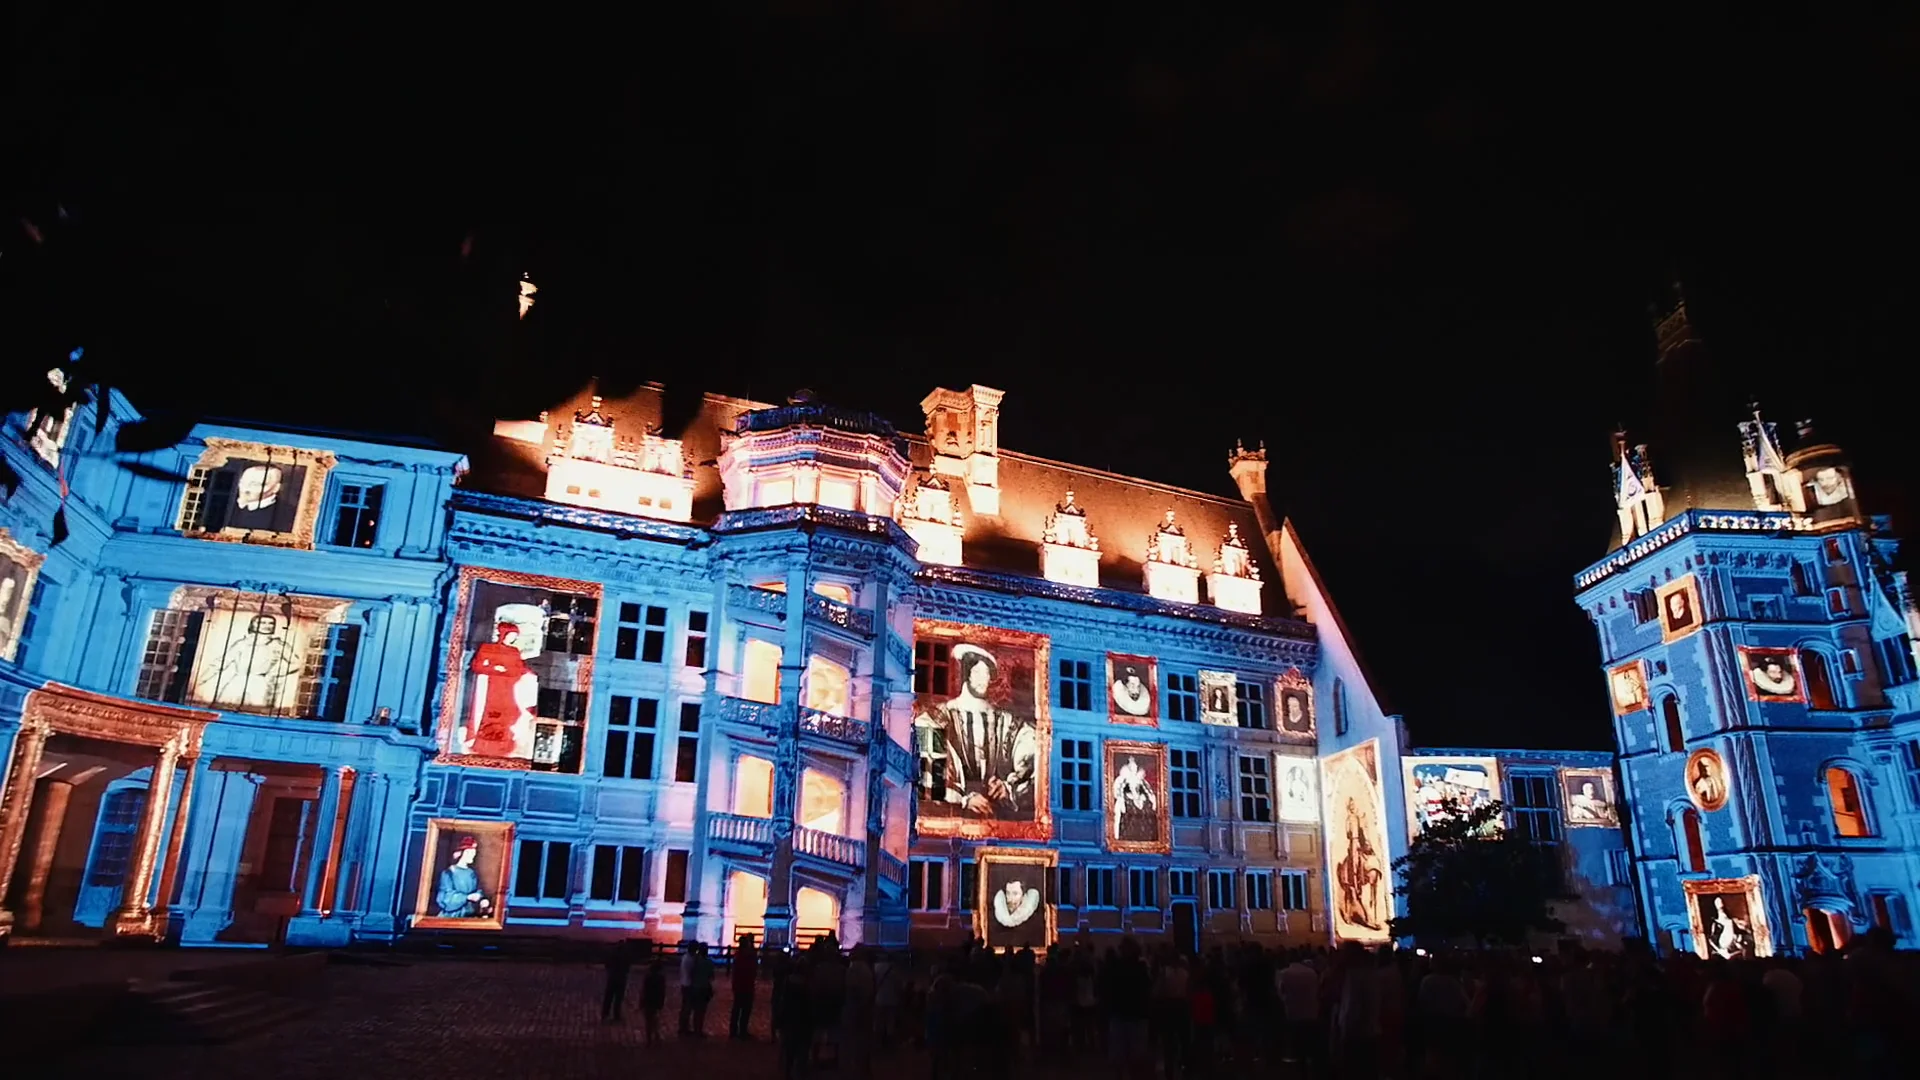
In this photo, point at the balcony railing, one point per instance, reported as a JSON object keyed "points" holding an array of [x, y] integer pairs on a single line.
{"points": [[893, 869], [845, 617], [838, 728], [757, 714], [757, 599], [739, 829], [831, 847]]}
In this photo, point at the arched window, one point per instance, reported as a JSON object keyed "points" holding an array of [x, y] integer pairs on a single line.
{"points": [[1692, 844], [1339, 707], [1802, 581], [1848, 803], [1670, 714], [1813, 668]]}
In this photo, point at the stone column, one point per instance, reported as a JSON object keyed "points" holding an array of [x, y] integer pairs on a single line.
{"points": [[324, 844], [786, 764], [695, 915], [29, 743], [878, 686], [40, 849], [176, 846], [135, 917]]}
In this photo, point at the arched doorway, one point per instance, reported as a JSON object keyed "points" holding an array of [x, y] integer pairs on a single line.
{"points": [[746, 906], [815, 913]]}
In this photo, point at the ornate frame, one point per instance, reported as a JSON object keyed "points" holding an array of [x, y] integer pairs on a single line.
{"points": [[452, 687], [438, 827], [1708, 753], [1313, 770], [1152, 665], [306, 519], [1686, 583], [30, 561], [1747, 654], [1293, 680], [1206, 677], [1115, 749], [1355, 753], [1639, 669], [1604, 777], [1046, 858], [1407, 765], [1041, 827], [1748, 887]]}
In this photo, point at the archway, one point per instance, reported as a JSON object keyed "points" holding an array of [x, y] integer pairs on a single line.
{"points": [[816, 913]]}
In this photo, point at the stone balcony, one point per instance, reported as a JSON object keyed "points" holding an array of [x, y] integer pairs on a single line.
{"points": [[762, 716], [754, 835], [740, 830], [834, 613], [842, 729], [830, 847]]}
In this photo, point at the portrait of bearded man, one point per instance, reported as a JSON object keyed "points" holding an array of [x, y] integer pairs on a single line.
{"points": [[991, 754]]}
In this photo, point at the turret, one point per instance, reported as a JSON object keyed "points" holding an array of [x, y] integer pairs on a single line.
{"points": [[811, 453]]}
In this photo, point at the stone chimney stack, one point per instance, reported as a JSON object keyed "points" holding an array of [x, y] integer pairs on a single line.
{"points": [[1249, 469]]}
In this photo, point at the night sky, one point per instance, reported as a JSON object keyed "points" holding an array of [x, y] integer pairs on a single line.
{"points": [[1412, 251]]}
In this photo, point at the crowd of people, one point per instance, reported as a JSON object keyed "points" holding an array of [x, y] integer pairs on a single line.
{"points": [[1127, 1012]]}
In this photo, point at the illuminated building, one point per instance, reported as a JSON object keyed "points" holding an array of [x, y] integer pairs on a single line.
{"points": [[211, 691], [1758, 652]]}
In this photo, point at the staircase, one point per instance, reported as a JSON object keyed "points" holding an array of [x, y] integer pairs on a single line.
{"points": [[177, 1011]]}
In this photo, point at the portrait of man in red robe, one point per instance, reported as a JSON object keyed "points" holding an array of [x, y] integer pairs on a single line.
{"points": [[504, 689]]}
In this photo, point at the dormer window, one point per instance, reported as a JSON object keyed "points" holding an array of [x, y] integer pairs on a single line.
{"points": [[1171, 570], [1069, 552], [594, 467]]}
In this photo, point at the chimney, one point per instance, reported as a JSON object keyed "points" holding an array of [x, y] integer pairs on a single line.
{"points": [[1249, 470]]}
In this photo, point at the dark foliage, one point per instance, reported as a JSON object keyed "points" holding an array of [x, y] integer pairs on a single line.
{"points": [[1463, 877]]}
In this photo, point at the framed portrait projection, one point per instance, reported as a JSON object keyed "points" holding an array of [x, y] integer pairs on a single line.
{"points": [[1587, 795], [19, 569], [1217, 699], [254, 492], [981, 733], [1015, 906], [1679, 603], [1293, 707], [1356, 827], [1628, 683], [1137, 798], [1729, 918], [1443, 788], [519, 668], [1133, 689], [1772, 675], [1298, 781], [463, 879], [1707, 782]]}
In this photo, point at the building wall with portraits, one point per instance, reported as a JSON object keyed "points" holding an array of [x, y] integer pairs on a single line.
{"points": [[1566, 803], [213, 683], [1757, 651]]}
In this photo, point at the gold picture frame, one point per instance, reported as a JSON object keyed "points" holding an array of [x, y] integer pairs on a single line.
{"points": [[1677, 606], [934, 819], [1627, 686], [1709, 782], [1118, 750], [990, 862], [1118, 665], [1789, 687], [1292, 686], [1709, 935], [492, 865]]}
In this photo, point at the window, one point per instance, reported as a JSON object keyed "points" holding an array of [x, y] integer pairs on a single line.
{"points": [[1849, 661], [327, 674], [1619, 868], [1531, 803], [1849, 806], [44, 598], [1293, 891], [1064, 885], [697, 640], [1896, 658], [686, 760], [113, 841], [1143, 888], [969, 885], [626, 639], [1645, 608], [571, 623], [1910, 765], [1073, 689], [1259, 890], [760, 672], [1802, 579], [540, 873], [1340, 720], [1184, 784], [1256, 791], [1890, 913], [250, 654], [932, 667], [1670, 715], [1833, 550], [1836, 602], [1181, 884], [356, 514], [674, 891], [1100, 887], [1251, 705], [1762, 608], [631, 723], [1220, 895], [619, 874], [1691, 845], [172, 638], [1076, 774], [1183, 696], [927, 884], [1813, 667], [642, 634]]}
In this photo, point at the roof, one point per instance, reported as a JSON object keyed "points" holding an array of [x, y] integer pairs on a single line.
{"points": [[1291, 532]]}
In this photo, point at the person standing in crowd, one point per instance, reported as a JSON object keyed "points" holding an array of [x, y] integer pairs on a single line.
{"points": [[619, 964], [1127, 992], [686, 987], [1299, 986], [856, 1018], [653, 997], [1172, 1015], [744, 979], [700, 988], [793, 1019]]}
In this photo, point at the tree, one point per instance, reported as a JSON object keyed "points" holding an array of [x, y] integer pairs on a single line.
{"points": [[1465, 877]]}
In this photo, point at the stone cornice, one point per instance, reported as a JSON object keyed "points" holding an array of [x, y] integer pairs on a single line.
{"points": [[543, 513], [1729, 522], [498, 543], [1021, 585]]}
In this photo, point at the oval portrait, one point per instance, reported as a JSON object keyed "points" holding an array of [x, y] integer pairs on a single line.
{"points": [[1707, 780]]}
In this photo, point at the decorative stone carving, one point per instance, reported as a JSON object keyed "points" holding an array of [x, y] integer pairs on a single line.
{"points": [[1069, 551], [1172, 572]]}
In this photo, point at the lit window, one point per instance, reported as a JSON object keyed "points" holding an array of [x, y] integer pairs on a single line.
{"points": [[1819, 680], [753, 787], [762, 672], [828, 687], [1849, 809], [823, 802]]}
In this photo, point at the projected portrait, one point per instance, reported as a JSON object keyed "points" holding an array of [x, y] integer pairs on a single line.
{"points": [[1132, 685], [1014, 909], [1298, 782], [1355, 819], [1587, 795], [1217, 698], [1679, 604], [463, 879], [1707, 782], [1829, 495], [19, 570], [980, 732], [1293, 697], [521, 666], [1137, 797], [1729, 918], [1629, 685], [1772, 675], [254, 492], [1446, 788]]}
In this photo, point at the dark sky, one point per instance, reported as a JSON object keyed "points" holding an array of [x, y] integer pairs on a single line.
{"points": [[1413, 251]]}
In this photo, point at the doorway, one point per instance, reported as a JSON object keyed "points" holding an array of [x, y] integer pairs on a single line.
{"points": [[1185, 933]]}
